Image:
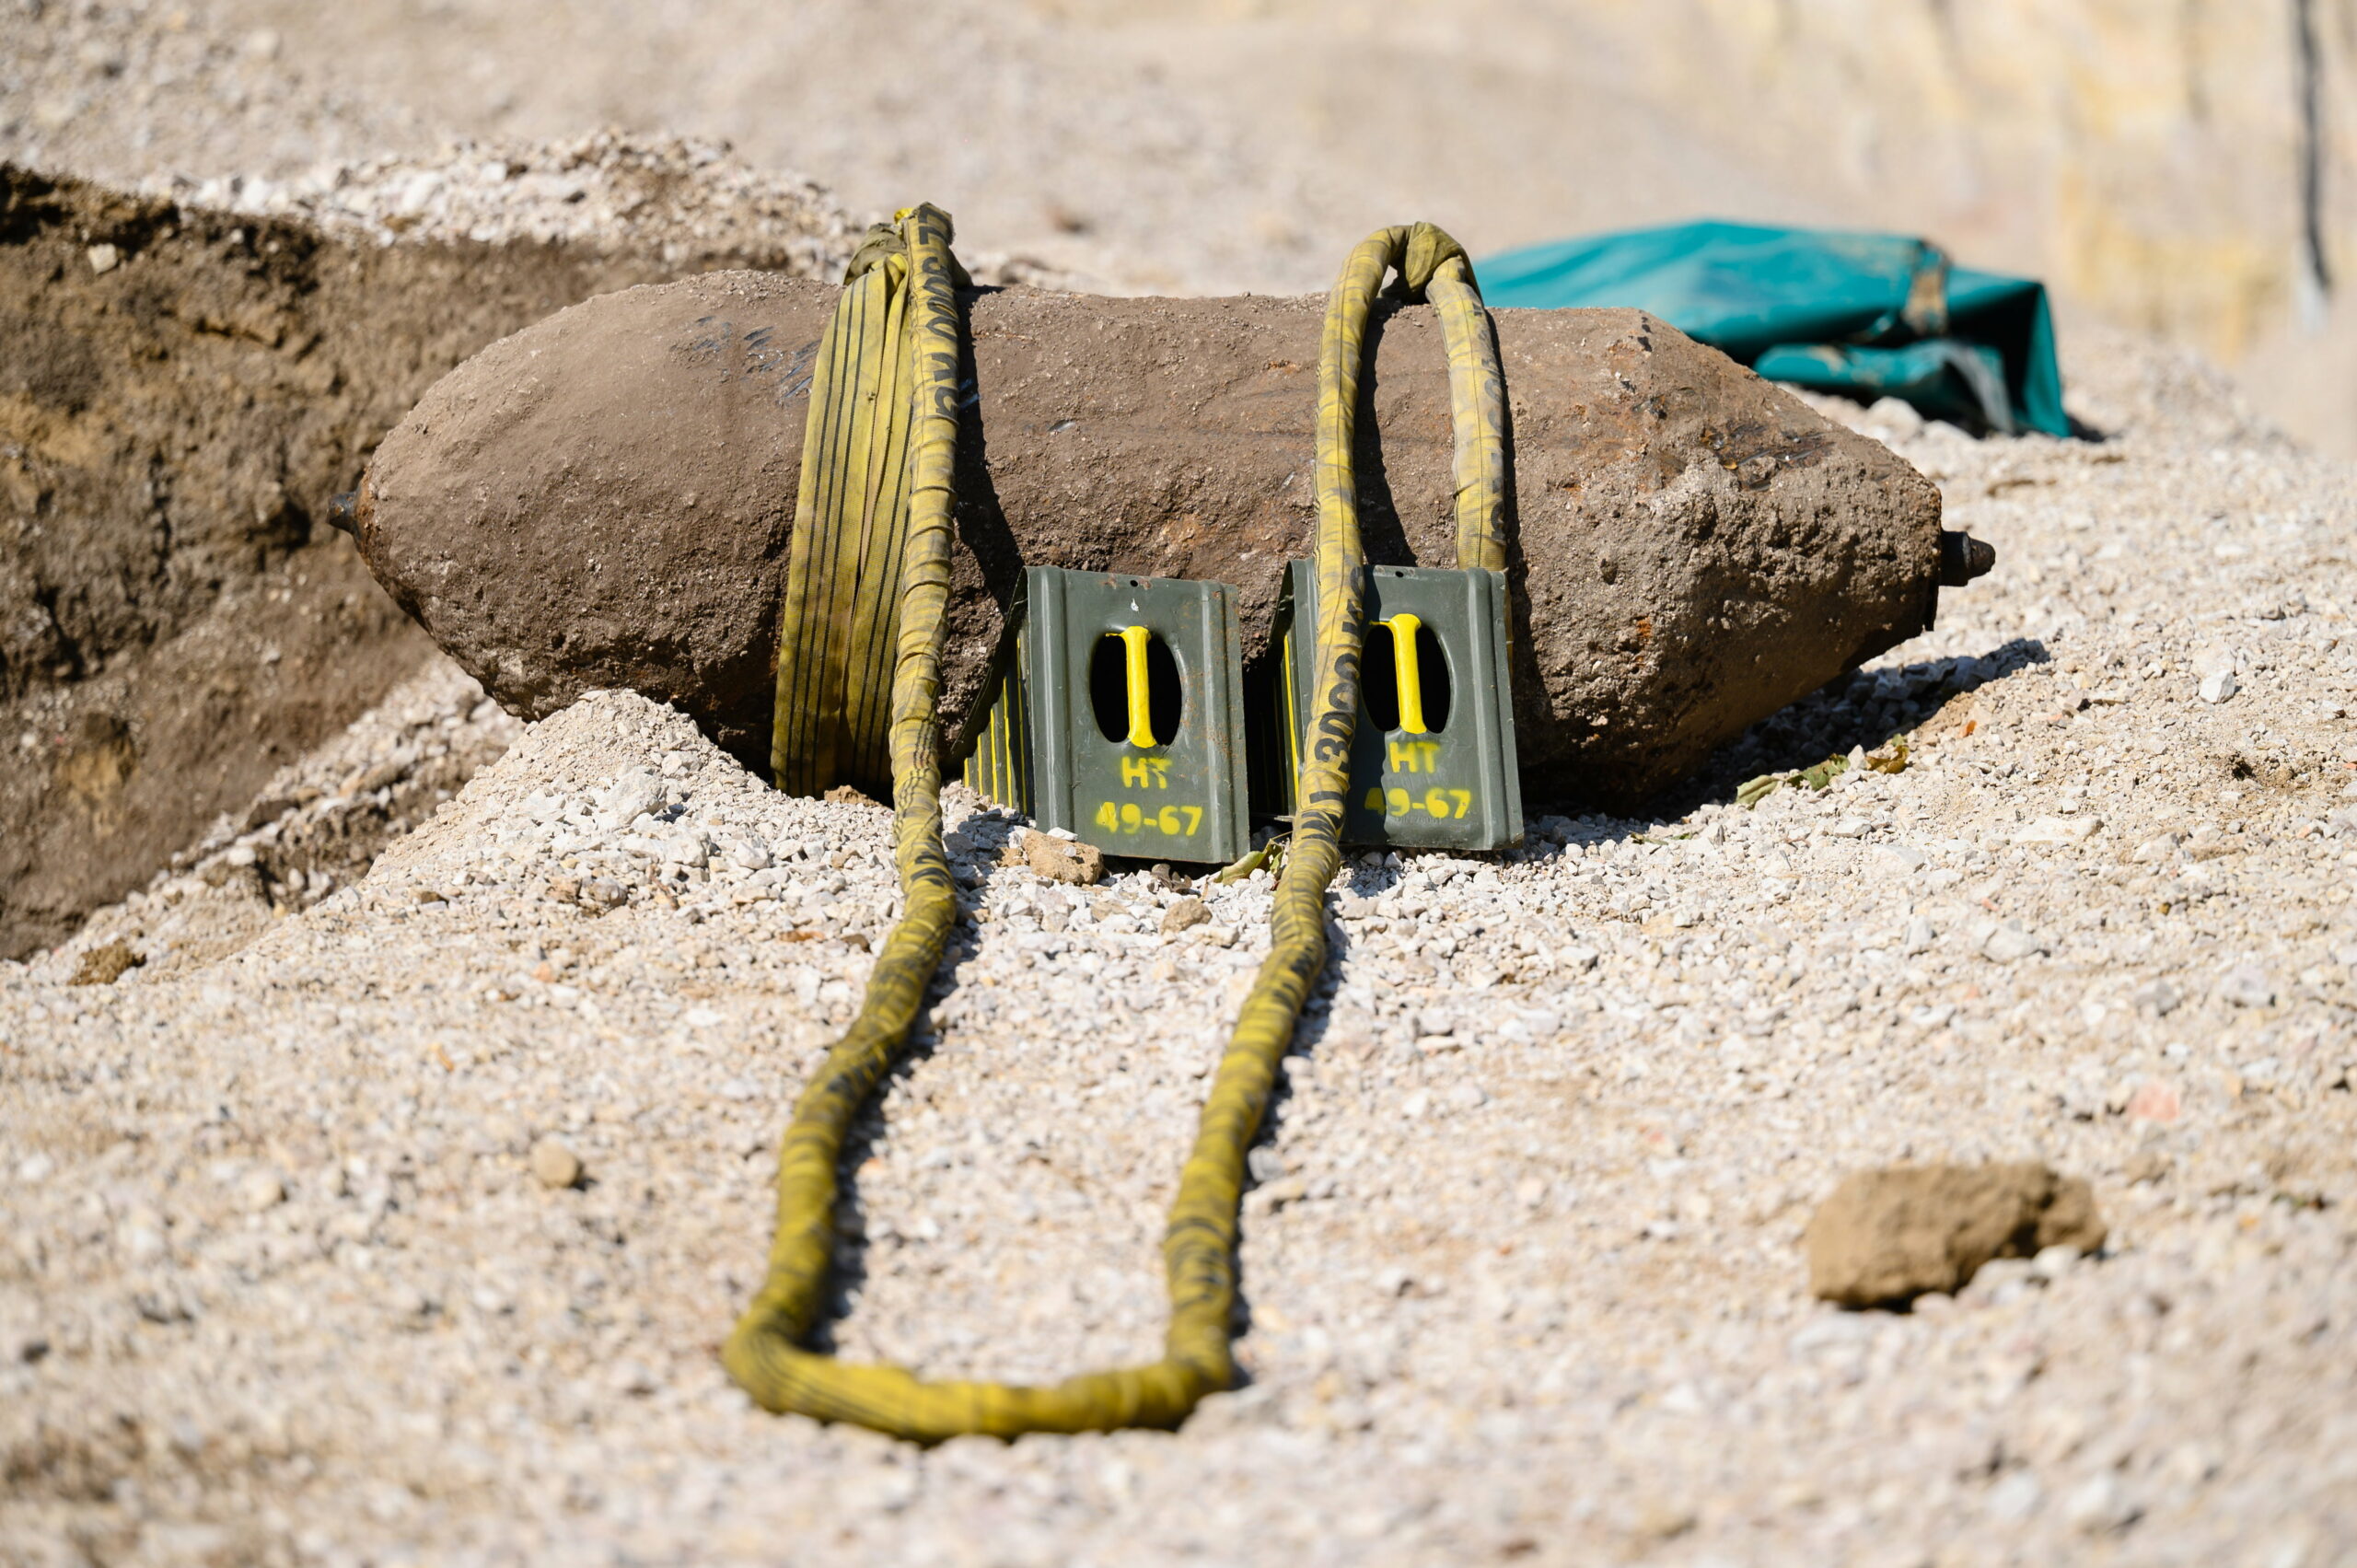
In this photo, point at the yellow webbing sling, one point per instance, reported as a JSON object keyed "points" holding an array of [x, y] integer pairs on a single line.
{"points": [[765, 1354], [843, 595]]}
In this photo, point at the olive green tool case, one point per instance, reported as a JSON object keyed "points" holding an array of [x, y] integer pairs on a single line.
{"points": [[1117, 714], [1432, 755]]}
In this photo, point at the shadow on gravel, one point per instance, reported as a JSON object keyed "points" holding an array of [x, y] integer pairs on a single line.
{"points": [[1864, 708], [986, 833], [1261, 1161]]}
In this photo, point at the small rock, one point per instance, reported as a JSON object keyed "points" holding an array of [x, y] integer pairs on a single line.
{"points": [[747, 852], [2219, 685], [2098, 1504], [1885, 1236], [2146, 1165], [2015, 1497], [2059, 831], [555, 1165], [1061, 860], [2010, 941], [2053, 1262], [1579, 960], [103, 258], [2246, 985], [1271, 1196], [260, 1190], [601, 894], [1468, 1097], [629, 798], [1920, 936], [1184, 915], [2160, 996], [2155, 1099], [105, 965]]}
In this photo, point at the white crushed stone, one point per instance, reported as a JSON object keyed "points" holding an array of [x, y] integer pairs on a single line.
{"points": [[288, 1281]]}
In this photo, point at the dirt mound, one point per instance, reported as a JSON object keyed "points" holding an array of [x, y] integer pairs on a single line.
{"points": [[186, 391]]}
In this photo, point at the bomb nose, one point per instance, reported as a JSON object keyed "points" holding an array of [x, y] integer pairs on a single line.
{"points": [[1962, 558]]}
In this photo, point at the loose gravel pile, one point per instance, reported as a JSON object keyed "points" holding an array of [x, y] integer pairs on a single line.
{"points": [[409, 1232], [664, 198]]}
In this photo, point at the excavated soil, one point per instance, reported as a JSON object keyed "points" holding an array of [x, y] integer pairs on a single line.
{"points": [[183, 394]]}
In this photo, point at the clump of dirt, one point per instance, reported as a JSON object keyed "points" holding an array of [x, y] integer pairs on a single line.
{"points": [[1886, 1237], [105, 965], [187, 390]]}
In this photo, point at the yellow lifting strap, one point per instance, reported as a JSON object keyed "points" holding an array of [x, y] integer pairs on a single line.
{"points": [[843, 596], [765, 1352]]}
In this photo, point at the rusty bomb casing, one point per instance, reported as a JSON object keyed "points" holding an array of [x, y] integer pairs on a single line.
{"points": [[605, 499]]}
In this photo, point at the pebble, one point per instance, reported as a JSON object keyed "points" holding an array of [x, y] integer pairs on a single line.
{"points": [[1062, 860], [2098, 1504], [555, 1165], [2246, 985], [2059, 831], [2155, 1099], [2219, 686], [260, 1190], [2016, 1496], [1184, 915], [2010, 943]]}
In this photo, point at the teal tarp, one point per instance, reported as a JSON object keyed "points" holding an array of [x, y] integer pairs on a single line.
{"points": [[1867, 315]]}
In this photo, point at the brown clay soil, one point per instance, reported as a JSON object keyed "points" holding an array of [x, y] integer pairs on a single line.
{"points": [[184, 394]]}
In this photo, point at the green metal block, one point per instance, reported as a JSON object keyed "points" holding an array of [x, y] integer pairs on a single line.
{"points": [[1119, 715], [1431, 754]]}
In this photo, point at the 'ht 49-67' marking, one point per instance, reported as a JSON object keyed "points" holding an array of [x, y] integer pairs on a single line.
{"points": [[1438, 802], [1145, 772], [1171, 821], [1415, 755]]}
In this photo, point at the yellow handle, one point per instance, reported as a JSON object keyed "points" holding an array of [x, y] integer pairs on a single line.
{"points": [[1134, 639], [1404, 628]]}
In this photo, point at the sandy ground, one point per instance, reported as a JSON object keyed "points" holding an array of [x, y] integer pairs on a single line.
{"points": [[282, 1286], [1146, 154]]}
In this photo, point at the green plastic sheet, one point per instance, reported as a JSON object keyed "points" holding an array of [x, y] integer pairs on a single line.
{"points": [[1865, 315]]}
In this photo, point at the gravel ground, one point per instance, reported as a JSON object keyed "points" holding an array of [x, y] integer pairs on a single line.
{"points": [[400, 1221], [288, 1281]]}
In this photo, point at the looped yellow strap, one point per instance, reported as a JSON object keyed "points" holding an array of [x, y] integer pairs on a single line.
{"points": [[764, 1353], [843, 594]]}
